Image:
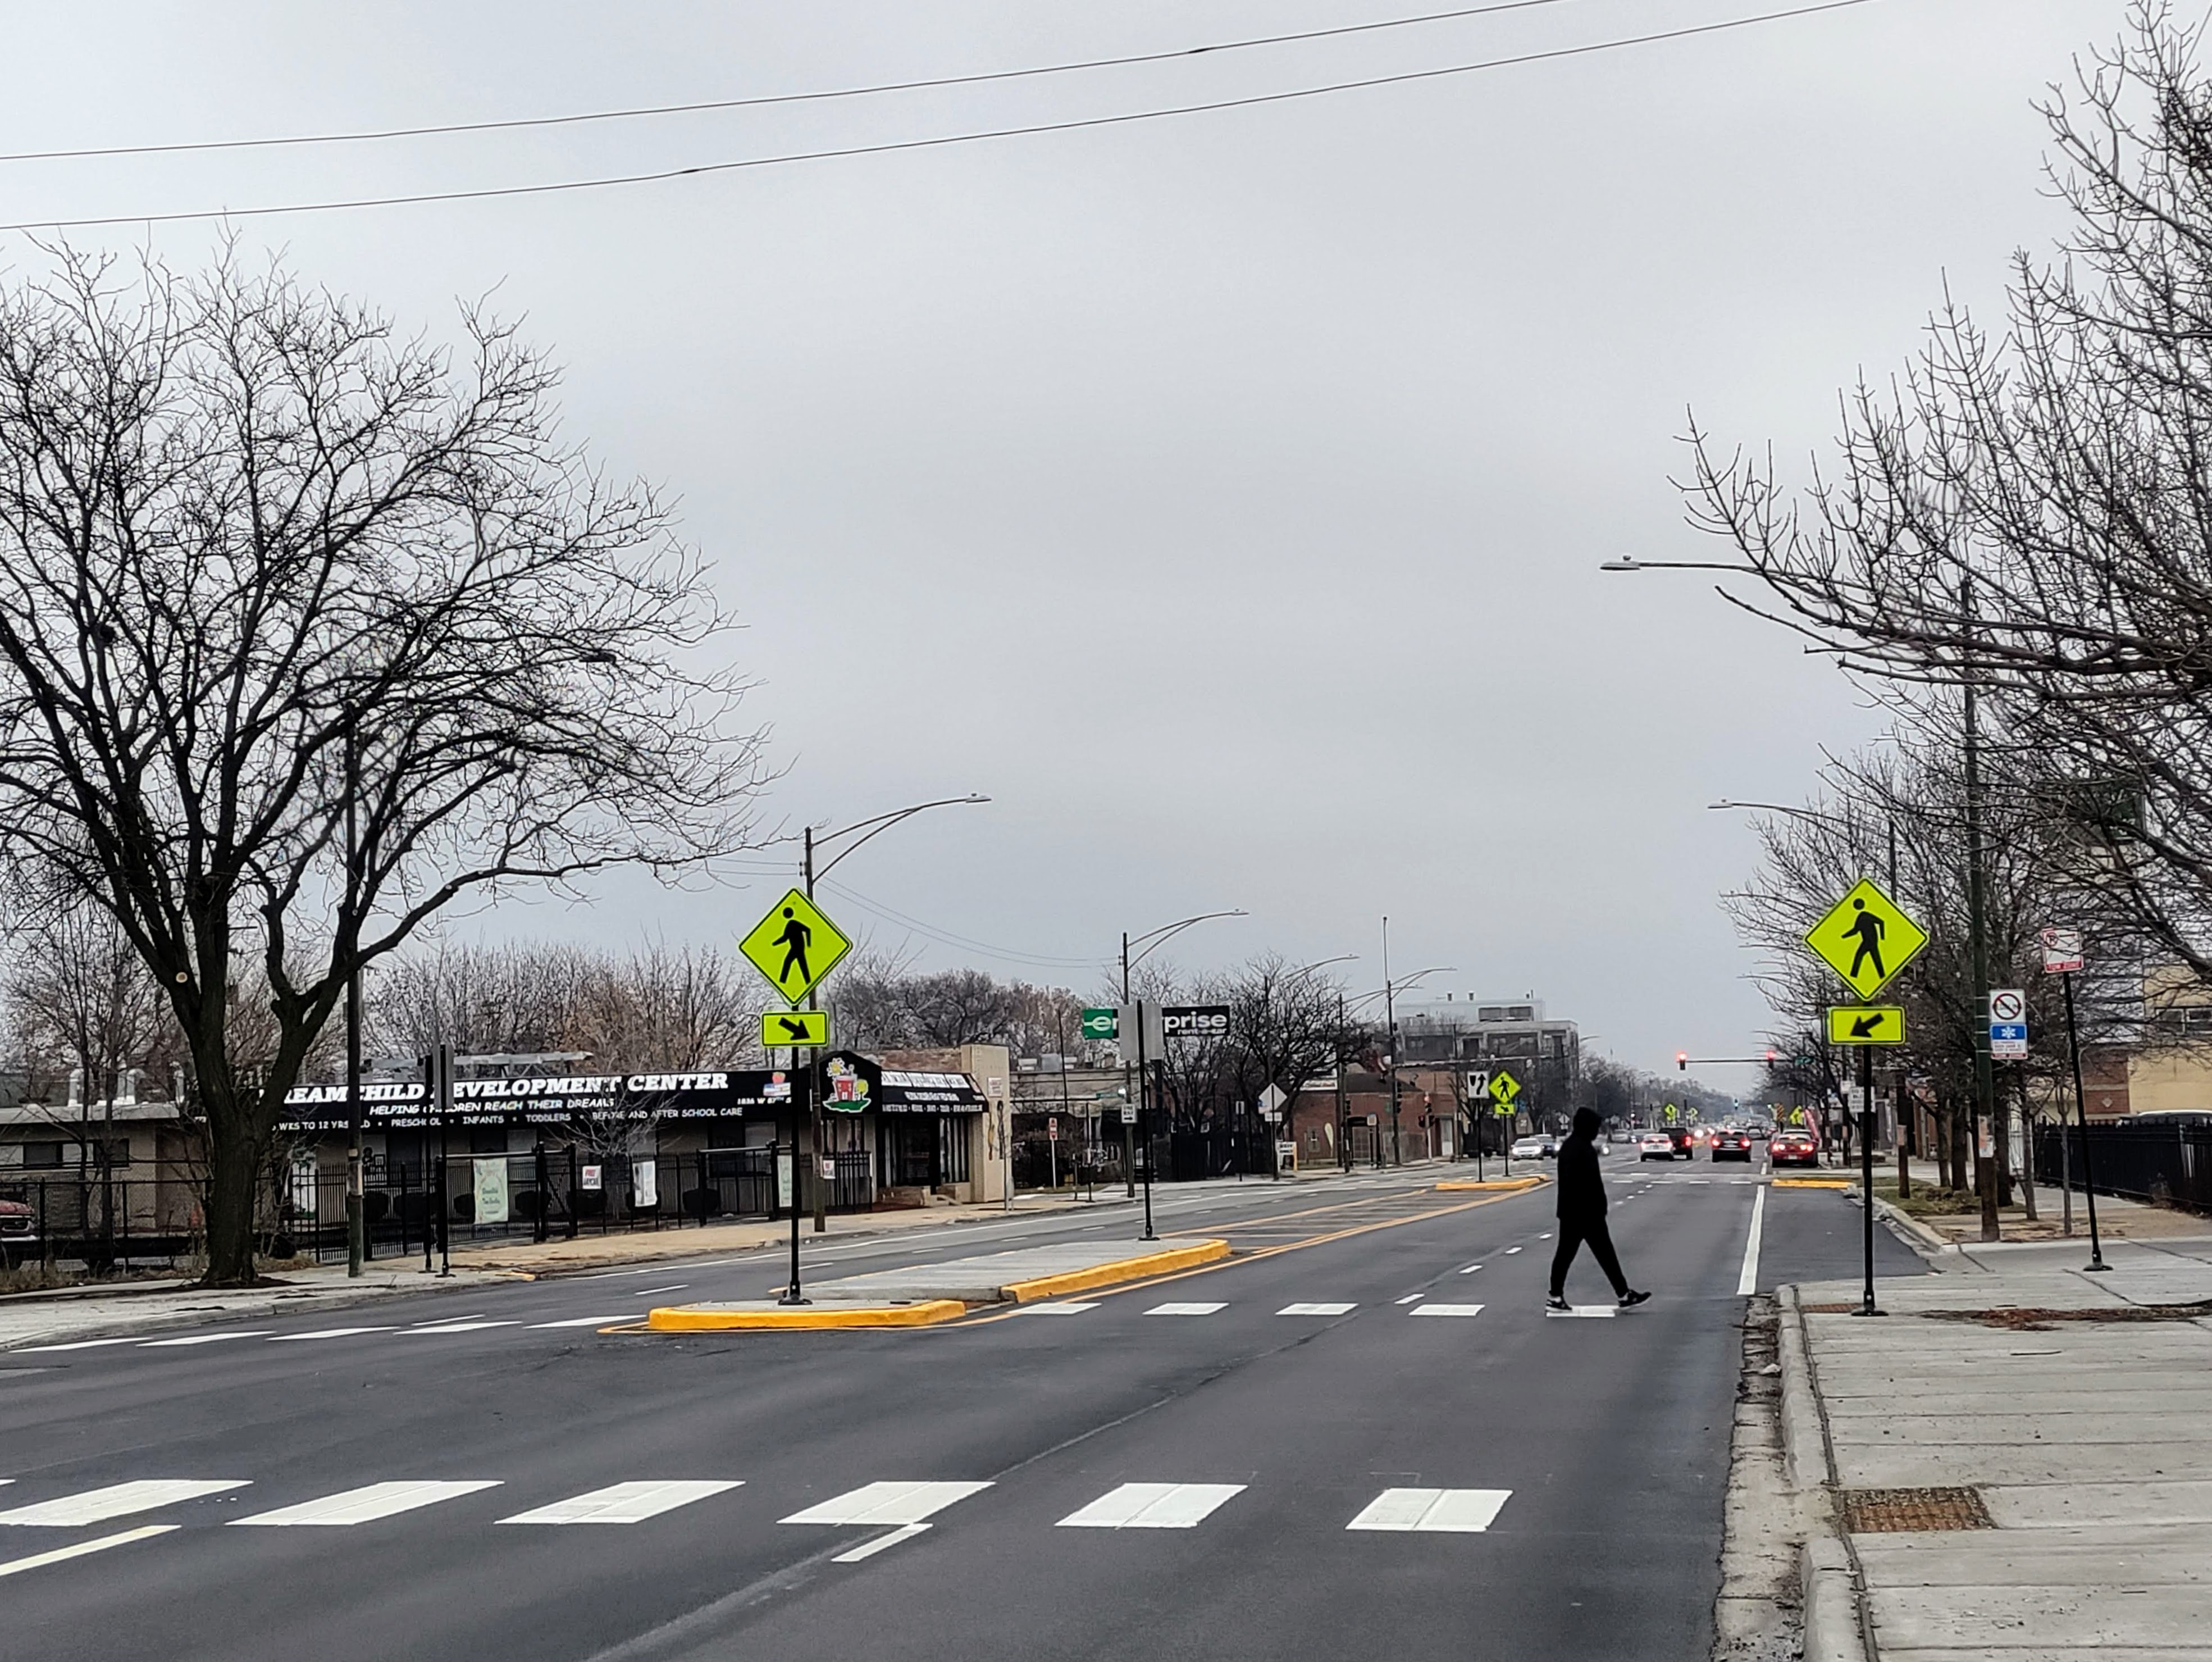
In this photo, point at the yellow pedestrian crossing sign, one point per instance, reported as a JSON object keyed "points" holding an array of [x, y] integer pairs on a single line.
{"points": [[806, 1030], [1866, 1024], [794, 946], [1503, 1088], [1866, 940]]}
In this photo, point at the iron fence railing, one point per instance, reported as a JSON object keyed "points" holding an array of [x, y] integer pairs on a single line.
{"points": [[2167, 1165]]}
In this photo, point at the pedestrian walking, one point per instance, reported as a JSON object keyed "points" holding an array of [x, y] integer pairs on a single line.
{"points": [[1582, 1215]]}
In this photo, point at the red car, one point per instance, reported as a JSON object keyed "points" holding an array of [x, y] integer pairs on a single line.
{"points": [[1793, 1149], [19, 1227]]}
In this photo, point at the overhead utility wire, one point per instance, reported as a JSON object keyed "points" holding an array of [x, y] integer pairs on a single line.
{"points": [[945, 937], [766, 99], [945, 141]]}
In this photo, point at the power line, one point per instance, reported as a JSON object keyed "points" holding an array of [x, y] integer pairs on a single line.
{"points": [[945, 937], [765, 101], [946, 140]]}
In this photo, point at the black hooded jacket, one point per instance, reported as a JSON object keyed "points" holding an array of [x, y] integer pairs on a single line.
{"points": [[1582, 1189]]}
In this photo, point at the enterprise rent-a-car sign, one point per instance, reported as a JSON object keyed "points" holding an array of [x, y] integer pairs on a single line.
{"points": [[1195, 1021]]}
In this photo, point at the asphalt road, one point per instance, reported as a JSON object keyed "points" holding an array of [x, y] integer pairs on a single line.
{"points": [[1593, 1449]]}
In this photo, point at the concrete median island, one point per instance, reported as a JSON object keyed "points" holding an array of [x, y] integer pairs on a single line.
{"points": [[924, 1295]]}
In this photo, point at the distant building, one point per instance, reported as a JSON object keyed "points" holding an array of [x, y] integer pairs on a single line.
{"points": [[1478, 1037]]}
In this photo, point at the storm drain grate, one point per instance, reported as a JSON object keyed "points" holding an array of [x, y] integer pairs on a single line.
{"points": [[1880, 1511]]}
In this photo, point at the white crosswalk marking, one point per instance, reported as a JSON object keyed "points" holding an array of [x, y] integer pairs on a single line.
{"points": [[324, 1333], [1445, 1310], [360, 1506], [1185, 1309], [623, 1503], [887, 1503], [74, 1344], [586, 1321], [97, 1505], [1066, 1307], [1317, 1310], [62, 1555], [1452, 1510], [870, 1549], [1586, 1309], [203, 1338], [462, 1327], [1152, 1505]]}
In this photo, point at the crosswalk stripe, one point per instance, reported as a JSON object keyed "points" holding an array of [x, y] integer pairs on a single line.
{"points": [[623, 1503], [97, 1505], [1452, 1511], [1066, 1307], [1445, 1310], [1317, 1310], [1152, 1505], [462, 1327], [887, 1503], [74, 1344], [81, 1549], [360, 1506], [1192, 1309], [870, 1549], [1586, 1309], [325, 1333], [204, 1338], [586, 1321]]}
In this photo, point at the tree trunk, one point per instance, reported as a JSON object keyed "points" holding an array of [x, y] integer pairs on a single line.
{"points": [[235, 1160]]}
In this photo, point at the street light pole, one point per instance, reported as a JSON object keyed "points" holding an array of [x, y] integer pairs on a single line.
{"points": [[1390, 1032], [1978, 935], [1156, 939], [356, 1199]]}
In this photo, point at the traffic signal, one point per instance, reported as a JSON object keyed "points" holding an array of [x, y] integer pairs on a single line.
{"points": [[1682, 1062]]}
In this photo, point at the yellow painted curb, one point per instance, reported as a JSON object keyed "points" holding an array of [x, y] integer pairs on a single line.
{"points": [[1815, 1182], [675, 1318], [1505, 1185], [1121, 1270]]}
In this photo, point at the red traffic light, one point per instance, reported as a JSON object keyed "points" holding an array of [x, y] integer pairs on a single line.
{"points": [[1682, 1061]]}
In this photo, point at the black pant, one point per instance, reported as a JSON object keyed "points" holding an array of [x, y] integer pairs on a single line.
{"points": [[1573, 1234]]}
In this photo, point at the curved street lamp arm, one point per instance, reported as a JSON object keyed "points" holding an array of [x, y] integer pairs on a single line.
{"points": [[1168, 931], [883, 822]]}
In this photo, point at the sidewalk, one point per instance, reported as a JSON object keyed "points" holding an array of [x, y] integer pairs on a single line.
{"points": [[2116, 1219], [2014, 1464]]}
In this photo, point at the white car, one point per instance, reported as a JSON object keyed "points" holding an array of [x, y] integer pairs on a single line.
{"points": [[1534, 1148], [1655, 1145]]}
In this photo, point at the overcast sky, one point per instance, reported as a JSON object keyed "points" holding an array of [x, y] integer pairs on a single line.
{"points": [[1222, 495]]}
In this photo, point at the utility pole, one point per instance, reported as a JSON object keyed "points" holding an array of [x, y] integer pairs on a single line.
{"points": [[1390, 1029], [356, 1201], [2081, 1119], [1977, 936], [1128, 1097]]}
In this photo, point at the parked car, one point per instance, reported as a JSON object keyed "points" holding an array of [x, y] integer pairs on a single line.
{"points": [[19, 1227], [1793, 1149], [1731, 1143], [1655, 1145]]}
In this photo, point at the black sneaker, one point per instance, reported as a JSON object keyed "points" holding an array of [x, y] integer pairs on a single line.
{"points": [[1629, 1300], [1558, 1304]]}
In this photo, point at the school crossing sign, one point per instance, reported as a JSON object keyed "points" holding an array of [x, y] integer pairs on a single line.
{"points": [[1866, 938]]}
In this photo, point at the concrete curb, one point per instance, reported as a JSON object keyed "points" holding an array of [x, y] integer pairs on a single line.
{"points": [[1918, 1235], [805, 1317], [1121, 1270], [1499, 1186], [1813, 1183], [1835, 1628]]}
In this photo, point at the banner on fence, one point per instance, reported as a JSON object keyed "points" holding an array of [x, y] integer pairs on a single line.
{"points": [[492, 1190], [644, 1183]]}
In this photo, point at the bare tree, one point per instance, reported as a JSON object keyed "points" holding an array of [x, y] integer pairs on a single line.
{"points": [[2027, 510], [264, 562]]}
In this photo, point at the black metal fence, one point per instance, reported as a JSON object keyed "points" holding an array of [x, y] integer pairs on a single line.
{"points": [[95, 1220], [2163, 1164]]}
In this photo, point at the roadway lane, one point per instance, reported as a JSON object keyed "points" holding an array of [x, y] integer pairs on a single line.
{"points": [[1608, 1435]]}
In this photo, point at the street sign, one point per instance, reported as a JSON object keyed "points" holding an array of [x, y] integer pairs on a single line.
{"points": [[807, 1029], [1272, 1100], [1052, 1128], [2007, 1023], [1866, 940], [1866, 1024], [1504, 1088], [794, 946], [1101, 1025], [2061, 950]]}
